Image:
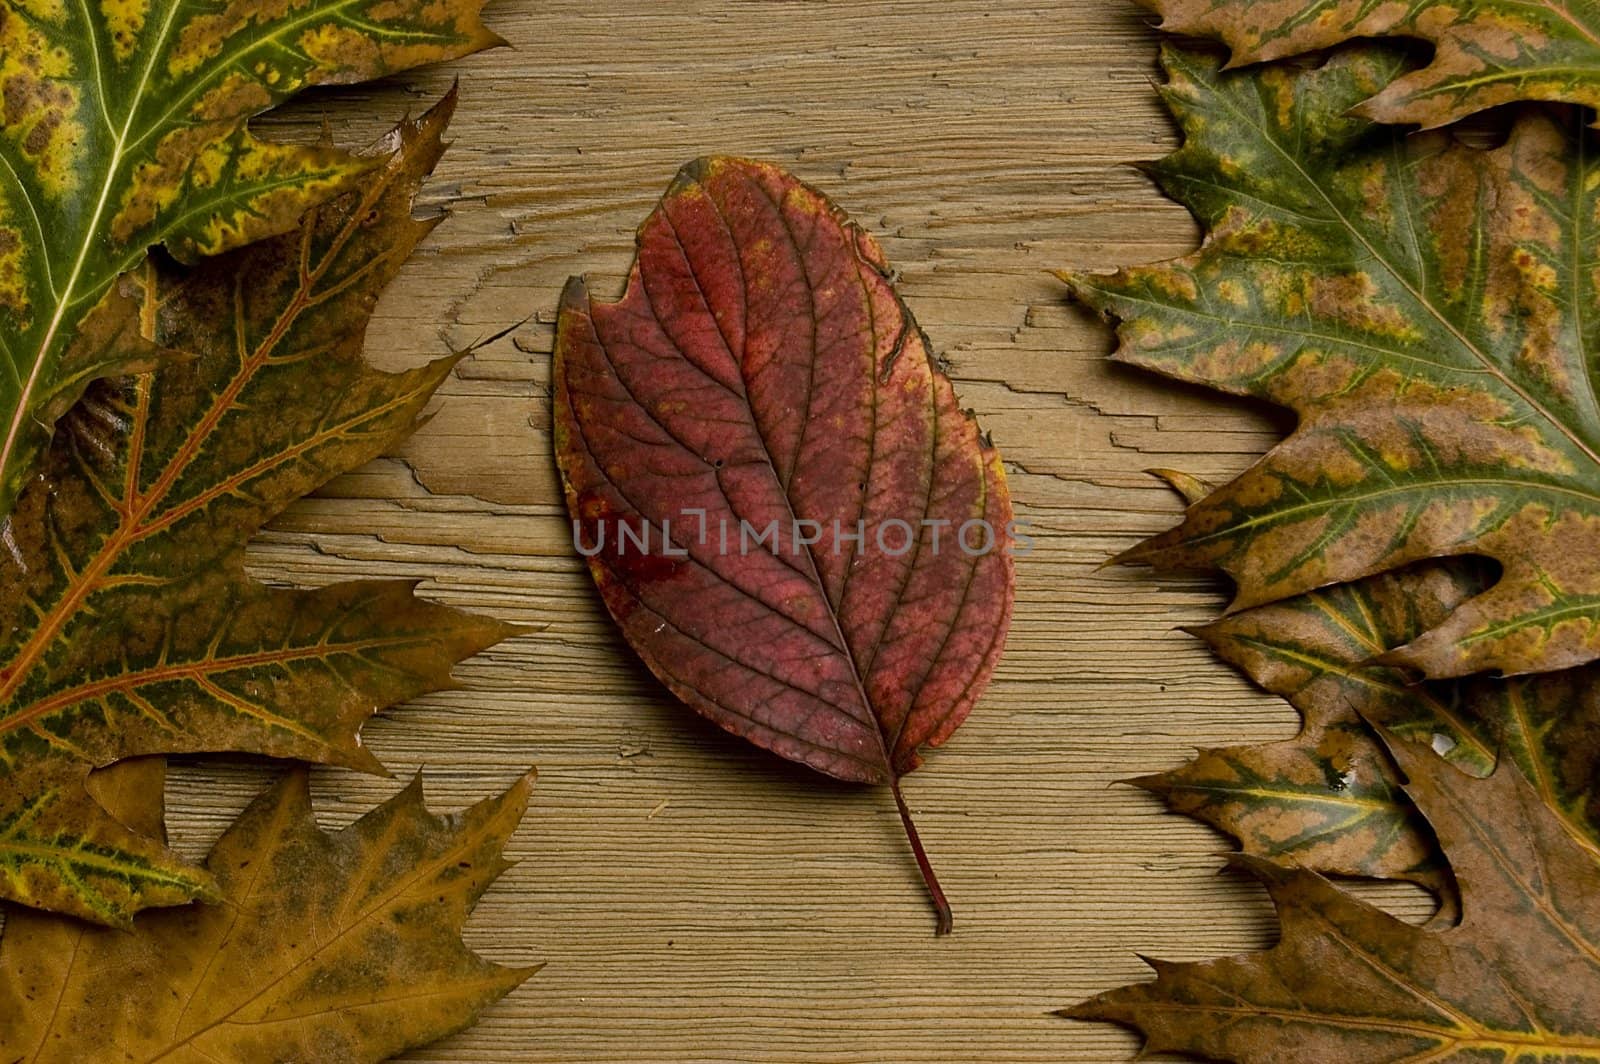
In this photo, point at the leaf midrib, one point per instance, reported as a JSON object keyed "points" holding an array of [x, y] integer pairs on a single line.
{"points": [[199, 671], [887, 744], [1505, 1041], [1315, 505], [97, 862]]}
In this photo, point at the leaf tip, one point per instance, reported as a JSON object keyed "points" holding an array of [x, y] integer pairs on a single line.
{"points": [[1087, 1011], [574, 297], [698, 170], [1156, 783], [522, 973], [1138, 554], [1155, 964], [499, 631], [413, 790], [1191, 488], [358, 758], [523, 787]]}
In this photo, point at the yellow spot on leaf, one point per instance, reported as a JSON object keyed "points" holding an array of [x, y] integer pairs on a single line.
{"points": [[1233, 294], [124, 21], [340, 48], [39, 106], [13, 267]]}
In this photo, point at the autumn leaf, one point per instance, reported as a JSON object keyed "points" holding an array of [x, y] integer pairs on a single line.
{"points": [[130, 626], [1327, 800], [123, 127], [758, 397], [1425, 309], [1486, 52], [1518, 979], [330, 948]]}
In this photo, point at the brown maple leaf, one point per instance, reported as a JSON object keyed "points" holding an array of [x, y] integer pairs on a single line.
{"points": [[1327, 799], [1517, 980], [128, 625], [337, 948], [786, 511]]}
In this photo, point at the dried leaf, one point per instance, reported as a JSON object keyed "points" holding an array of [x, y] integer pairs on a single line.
{"points": [[129, 624], [1322, 801], [760, 378], [1327, 800], [123, 127], [1425, 309], [329, 948], [1486, 52], [1517, 980]]}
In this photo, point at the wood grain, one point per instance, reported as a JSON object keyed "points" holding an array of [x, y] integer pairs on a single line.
{"points": [[697, 901]]}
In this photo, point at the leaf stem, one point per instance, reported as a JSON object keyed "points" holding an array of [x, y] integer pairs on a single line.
{"points": [[941, 907]]}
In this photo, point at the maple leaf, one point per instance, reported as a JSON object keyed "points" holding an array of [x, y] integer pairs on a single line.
{"points": [[758, 396], [1327, 800], [123, 127], [129, 624], [1518, 979], [338, 948], [1486, 52], [1424, 308]]}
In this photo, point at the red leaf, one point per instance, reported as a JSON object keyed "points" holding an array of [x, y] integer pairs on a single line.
{"points": [[761, 369]]}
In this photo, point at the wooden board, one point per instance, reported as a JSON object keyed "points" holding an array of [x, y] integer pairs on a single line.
{"points": [[695, 900]]}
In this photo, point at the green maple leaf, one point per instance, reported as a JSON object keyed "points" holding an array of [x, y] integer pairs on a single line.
{"points": [[122, 126], [1430, 312], [128, 624]]}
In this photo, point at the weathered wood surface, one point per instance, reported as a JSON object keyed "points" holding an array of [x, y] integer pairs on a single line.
{"points": [[696, 900]]}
